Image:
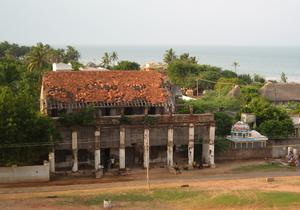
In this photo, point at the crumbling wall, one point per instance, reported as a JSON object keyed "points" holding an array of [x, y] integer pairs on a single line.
{"points": [[279, 146], [110, 137]]}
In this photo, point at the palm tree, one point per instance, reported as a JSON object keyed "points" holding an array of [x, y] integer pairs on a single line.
{"points": [[106, 60], [38, 56], [114, 57], [9, 75], [235, 64], [169, 56], [283, 77], [71, 55]]}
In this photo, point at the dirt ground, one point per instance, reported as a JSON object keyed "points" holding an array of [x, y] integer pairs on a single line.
{"points": [[221, 179]]}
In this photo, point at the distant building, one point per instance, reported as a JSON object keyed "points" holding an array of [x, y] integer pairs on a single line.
{"points": [[62, 67], [243, 138], [281, 93], [296, 121], [160, 67], [90, 66]]}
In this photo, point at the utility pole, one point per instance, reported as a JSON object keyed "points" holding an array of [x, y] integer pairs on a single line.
{"points": [[148, 179], [147, 169], [197, 87], [147, 155]]}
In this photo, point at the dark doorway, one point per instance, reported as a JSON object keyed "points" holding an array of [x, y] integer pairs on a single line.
{"points": [[84, 159], [130, 156], [198, 153], [128, 111], [105, 157], [180, 155]]}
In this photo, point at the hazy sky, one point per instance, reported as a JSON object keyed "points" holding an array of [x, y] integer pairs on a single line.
{"points": [[148, 22]]}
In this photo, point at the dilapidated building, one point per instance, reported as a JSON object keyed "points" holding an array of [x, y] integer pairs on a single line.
{"points": [[135, 121]]}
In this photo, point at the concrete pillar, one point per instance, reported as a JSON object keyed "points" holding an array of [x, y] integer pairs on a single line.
{"points": [[122, 148], [97, 149], [295, 153], [75, 151], [191, 144], [289, 150], [211, 148], [52, 161], [146, 110], [146, 147], [170, 146]]}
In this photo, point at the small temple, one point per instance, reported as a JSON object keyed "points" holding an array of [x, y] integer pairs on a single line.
{"points": [[242, 137]]}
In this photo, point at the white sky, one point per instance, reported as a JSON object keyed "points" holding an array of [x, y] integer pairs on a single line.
{"points": [[151, 22]]}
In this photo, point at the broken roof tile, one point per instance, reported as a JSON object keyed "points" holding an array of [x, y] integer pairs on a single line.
{"points": [[104, 86]]}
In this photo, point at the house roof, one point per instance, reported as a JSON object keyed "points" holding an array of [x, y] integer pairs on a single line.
{"points": [[104, 86], [235, 92], [278, 92]]}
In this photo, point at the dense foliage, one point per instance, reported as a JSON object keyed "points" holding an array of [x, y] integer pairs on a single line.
{"points": [[25, 135], [211, 102], [188, 74], [223, 123], [126, 65], [271, 120], [276, 128], [84, 117], [22, 125]]}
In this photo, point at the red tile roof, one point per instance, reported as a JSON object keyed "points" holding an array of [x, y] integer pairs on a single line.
{"points": [[104, 86]]}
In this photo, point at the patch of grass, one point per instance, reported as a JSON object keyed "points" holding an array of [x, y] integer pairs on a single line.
{"points": [[190, 197], [176, 194], [273, 199], [232, 199], [256, 198], [135, 196], [262, 167]]}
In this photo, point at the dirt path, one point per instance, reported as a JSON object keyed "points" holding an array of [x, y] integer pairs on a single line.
{"points": [[27, 199], [222, 179], [175, 181]]}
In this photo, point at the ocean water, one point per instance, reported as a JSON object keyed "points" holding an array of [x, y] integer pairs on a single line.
{"points": [[266, 61]]}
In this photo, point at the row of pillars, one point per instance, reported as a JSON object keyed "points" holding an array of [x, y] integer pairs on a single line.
{"points": [[207, 149]]}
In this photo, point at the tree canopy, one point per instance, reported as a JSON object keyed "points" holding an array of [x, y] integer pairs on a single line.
{"points": [[126, 65], [21, 124], [169, 56]]}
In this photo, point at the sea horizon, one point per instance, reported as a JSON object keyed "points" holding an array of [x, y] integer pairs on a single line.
{"points": [[267, 61]]}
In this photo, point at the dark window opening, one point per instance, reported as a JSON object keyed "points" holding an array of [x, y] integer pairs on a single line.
{"points": [[106, 112], [57, 112], [139, 110], [151, 110], [61, 155], [128, 111], [83, 155]]}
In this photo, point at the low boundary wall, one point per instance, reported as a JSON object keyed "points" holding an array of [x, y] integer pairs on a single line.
{"points": [[16, 174], [275, 149], [279, 146], [244, 154]]}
